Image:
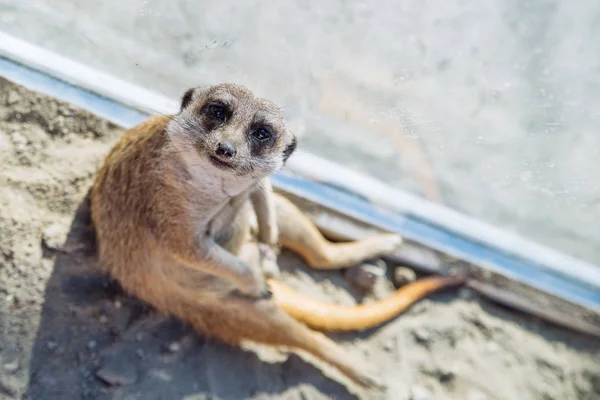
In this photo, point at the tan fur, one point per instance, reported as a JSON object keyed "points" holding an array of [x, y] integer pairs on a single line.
{"points": [[334, 317], [174, 228]]}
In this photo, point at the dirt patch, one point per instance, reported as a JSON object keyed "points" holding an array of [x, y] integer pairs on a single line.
{"points": [[69, 332]]}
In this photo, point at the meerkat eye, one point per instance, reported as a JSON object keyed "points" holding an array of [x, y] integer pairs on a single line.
{"points": [[262, 134], [217, 111]]}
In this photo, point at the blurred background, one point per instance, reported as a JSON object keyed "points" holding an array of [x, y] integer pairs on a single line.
{"points": [[489, 107]]}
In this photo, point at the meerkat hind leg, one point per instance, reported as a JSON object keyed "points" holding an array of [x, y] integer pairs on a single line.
{"points": [[299, 234], [262, 321]]}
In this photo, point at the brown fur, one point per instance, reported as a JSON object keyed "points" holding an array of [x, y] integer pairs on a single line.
{"points": [[174, 225]]}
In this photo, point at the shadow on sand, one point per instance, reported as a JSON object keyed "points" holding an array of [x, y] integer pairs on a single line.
{"points": [[88, 324]]}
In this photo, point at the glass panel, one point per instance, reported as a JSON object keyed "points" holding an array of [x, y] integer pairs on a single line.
{"points": [[486, 106]]}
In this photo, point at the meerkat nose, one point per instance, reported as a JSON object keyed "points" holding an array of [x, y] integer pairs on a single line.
{"points": [[225, 150]]}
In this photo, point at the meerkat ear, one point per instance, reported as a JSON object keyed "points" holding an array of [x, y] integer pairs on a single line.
{"points": [[187, 98], [290, 149], [193, 94]]}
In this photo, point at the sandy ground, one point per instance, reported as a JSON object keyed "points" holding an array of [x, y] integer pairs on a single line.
{"points": [[69, 332], [492, 101]]}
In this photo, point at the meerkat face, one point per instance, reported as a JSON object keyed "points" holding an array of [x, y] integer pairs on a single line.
{"points": [[232, 130]]}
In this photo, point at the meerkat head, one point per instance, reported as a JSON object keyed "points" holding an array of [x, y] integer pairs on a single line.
{"points": [[232, 130]]}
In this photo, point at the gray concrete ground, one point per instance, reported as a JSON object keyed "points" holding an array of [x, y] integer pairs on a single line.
{"points": [[489, 106]]}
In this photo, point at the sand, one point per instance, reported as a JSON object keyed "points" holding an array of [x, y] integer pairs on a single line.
{"points": [[66, 329]]}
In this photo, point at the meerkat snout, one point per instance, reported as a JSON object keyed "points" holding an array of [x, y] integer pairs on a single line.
{"points": [[225, 150], [233, 130]]}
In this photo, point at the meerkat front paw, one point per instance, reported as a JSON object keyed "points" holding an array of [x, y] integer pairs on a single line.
{"points": [[257, 292], [254, 284], [268, 261]]}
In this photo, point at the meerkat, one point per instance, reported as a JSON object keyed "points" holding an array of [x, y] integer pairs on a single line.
{"points": [[186, 220]]}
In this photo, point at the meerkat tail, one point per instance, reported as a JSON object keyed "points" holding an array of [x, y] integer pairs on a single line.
{"points": [[334, 317]]}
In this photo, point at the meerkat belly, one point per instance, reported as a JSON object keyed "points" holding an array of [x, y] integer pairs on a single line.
{"points": [[231, 227]]}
